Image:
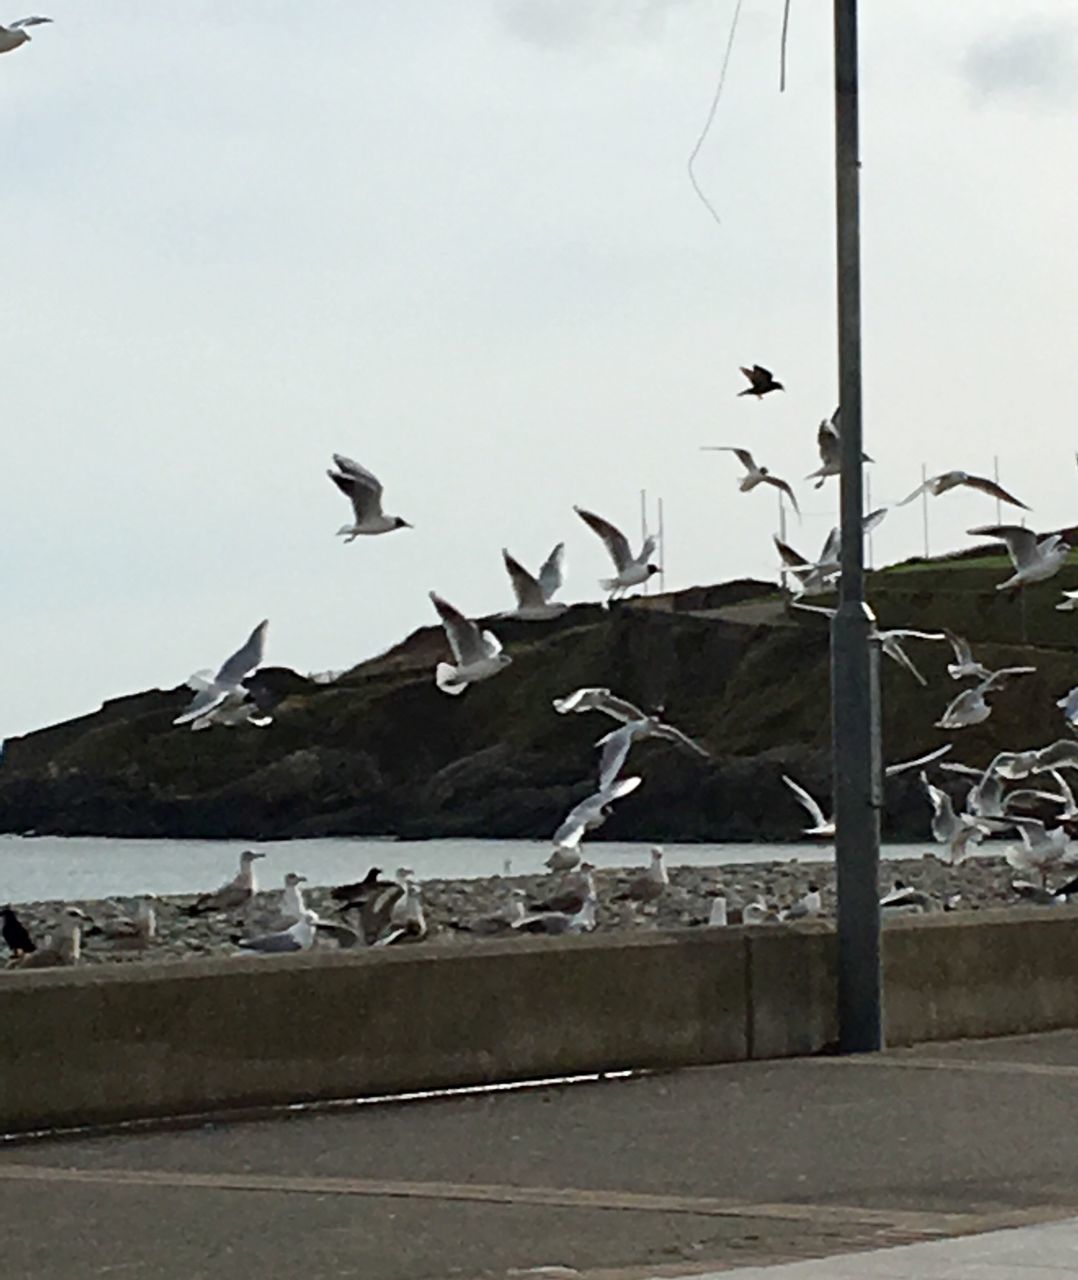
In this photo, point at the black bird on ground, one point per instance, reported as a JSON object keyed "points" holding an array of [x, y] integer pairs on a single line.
{"points": [[355, 894], [18, 940]]}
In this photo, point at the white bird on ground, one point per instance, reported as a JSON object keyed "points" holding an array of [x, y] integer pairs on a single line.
{"points": [[903, 900], [15, 33], [403, 909], [964, 664], [364, 491], [534, 593], [652, 883], [293, 907], [237, 892], [754, 475], [63, 947], [955, 830], [477, 653], [757, 912], [591, 813], [630, 571], [559, 922], [1034, 558], [132, 932], [411, 921], [829, 443], [805, 908], [297, 937], [935, 485], [970, 706], [821, 825], [212, 690]]}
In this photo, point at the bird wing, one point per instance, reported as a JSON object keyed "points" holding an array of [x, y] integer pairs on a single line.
{"points": [[873, 519], [672, 734], [815, 608], [963, 653], [246, 658], [579, 700], [1001, 677], [791, 558], [616, 543], [271, 943], [357, 473], [616, 747], [552, 574], [807, 802], [204, 701], [892, 770], [463, 635], [617, 708], [993, 490], [832, 548], [526, 588], [921, 488], [784, 485], [743, 456], [1021, 543], [1058, 755], [340, 933], [366, 499], [27, 22]]}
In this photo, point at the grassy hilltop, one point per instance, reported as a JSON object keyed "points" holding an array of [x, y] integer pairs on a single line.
{"points": [[382, 751]]}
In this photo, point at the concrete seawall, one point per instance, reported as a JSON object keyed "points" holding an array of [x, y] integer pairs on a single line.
{"points": [[102, 1045]]}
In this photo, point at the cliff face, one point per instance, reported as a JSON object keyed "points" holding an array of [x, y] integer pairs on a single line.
{"points": [[382, 751]]}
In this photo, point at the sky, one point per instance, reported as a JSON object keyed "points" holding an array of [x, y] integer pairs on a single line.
{"points": [[457, 242]]}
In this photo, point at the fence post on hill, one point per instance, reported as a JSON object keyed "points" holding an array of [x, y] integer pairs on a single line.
{"points": [[854, 655]]}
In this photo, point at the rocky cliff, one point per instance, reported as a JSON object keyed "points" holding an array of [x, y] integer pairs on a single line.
{"points": [[381, 751]]}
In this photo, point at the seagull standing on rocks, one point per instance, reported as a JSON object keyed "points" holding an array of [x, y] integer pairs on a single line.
{"points": [[761, 381], [477, 653], [630, 571], [364, 491], [1034, 558], [297, 937], [651, 885], [293, 908], [133, 933], [754, 475], [237, 893], [534, 603], [63, 948], [212, 690], [15, 33]]}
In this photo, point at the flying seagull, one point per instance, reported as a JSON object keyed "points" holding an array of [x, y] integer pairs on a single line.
{"points": [[477, 653], [821, 825], [890, 641], [754, 475], [971, 707], [630, 570], [15, 33], [591, 813], [236, 893], [364, 491], [829, 443], [955, 830], [964, 663], [761, 381], [935, 485], [1034, 558], [534, 593], [213, 690], [901, 766]]}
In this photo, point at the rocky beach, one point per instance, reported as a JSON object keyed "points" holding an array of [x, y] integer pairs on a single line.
{"points": [[455, 909]]}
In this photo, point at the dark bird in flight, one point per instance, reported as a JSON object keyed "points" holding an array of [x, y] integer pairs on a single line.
{"points": [[762, 381]]}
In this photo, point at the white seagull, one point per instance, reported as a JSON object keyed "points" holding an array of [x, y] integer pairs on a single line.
{"points": [[955, 830], [534, 593], [591, 812], [364, 491], [964, 664], [901, 766], [1034, 558], [15, 33], [829, 443], [212, 690], [805, 908], [890, 641], [631, 571], [821, 825], [754, 475], [235, 893], [477, 653], [935, 485], [970, 706], [297, 937], [1041, 850], [1068, 704], [1069, 601], [238, 707]]}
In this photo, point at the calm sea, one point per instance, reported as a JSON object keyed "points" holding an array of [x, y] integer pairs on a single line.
{"points": [[44, 867]]}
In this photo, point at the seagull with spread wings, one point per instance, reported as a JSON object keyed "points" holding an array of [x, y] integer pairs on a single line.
{"points": [[213, 690], [1034, 558], [821, 825], [970, 707], [364, 491], [15, 33], [761, 381], [754, 475], [947, 480], [631, 571], [534, 592], [829, 443], [477, 653]]}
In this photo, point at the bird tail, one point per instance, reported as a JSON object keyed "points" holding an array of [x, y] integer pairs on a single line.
{"points": [[200, 681], [609, 584], [448, 680]]}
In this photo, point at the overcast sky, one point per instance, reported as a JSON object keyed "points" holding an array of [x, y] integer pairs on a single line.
{"points": [[456, 241]]}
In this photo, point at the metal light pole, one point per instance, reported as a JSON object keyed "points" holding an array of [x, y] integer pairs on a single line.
{"points": [[854, 655]]}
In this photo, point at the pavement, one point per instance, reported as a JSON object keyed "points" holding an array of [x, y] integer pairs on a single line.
{"points": [[945, 1162]]}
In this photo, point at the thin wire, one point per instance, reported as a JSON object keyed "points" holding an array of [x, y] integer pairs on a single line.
{"points": [[782, 55], [711, 116]]}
